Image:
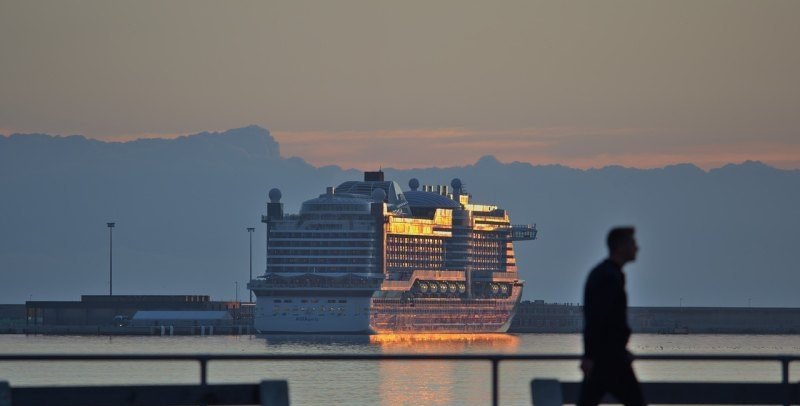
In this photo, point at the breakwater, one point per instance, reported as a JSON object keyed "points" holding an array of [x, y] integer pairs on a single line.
{"points": [[531, 317], [540, 317]]}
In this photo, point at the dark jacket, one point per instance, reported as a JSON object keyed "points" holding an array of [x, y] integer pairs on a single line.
{"points": [[605, 312]]}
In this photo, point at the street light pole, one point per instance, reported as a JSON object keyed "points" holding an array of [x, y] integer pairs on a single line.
{"points": [[110, 258], [250, 231]]}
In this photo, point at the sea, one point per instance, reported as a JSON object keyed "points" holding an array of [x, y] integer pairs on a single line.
{"points": [[383, 382]]}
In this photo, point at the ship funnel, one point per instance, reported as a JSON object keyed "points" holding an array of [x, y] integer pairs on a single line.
{"points": [[376, 176], [456, 185], [274, 207]]}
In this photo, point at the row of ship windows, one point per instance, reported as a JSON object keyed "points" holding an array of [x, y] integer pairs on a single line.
{"points": [[313, 260], [301, 244], [393, 253], [421, 251], [278, 309], [396, 266], [487, 244], [487, 251], [487, 235], [338, 216], [320, 252], [360, 267], [475, 257], [443, 312], [308, 300], [335, 207], [413, 240], [390, 239], [308, 234], [416, 247], [419, 264], [482, 304], [414, 257], [497, 261], [317, 269], [489, 267], [325, 226]]}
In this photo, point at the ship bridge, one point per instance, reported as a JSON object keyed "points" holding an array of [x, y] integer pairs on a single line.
{"points": [[522, 232]]}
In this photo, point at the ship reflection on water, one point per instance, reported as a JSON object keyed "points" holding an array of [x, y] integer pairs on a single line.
{"points": [[445, 343], [438, 382], [407, 343], [415, 382]]}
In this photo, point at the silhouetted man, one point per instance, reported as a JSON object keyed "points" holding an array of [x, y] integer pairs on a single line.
{"points": [[606, 361]]}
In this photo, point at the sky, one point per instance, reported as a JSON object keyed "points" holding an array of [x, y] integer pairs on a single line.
{"points": [[410, 84]]}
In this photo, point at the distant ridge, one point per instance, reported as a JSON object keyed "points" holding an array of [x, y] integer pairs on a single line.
{"points": [[710, 238], [255, 139]]}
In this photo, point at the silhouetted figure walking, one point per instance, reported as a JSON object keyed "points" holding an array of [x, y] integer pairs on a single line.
{"points": [[606, 361]]}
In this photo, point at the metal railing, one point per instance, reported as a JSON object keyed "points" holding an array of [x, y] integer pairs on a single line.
{"points": [[494, 359]]}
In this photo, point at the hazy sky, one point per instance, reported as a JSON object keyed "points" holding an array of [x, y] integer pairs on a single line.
{"points": [[406, 84]]}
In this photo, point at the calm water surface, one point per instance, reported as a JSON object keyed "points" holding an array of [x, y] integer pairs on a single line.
{"points": [[386, 382]]}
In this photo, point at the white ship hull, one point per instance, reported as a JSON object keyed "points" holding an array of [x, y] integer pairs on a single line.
{"points": [[313, 314]]}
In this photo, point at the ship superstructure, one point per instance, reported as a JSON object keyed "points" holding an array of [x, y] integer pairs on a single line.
{"points": [[368, 257]]}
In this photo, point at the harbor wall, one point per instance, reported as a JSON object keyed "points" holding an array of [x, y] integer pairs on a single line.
{"points": [[531, 317], [111, 330], [541, 317]]}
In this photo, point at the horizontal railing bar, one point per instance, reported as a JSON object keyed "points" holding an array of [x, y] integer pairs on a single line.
{"points": [[135, 395], [379, 357], [665, 393]]}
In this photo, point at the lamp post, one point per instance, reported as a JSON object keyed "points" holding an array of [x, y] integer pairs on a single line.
{"points": [[110, 258], [250, 231]]}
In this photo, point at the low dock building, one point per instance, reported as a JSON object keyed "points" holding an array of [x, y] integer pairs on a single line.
{"points": [[103, 314]]}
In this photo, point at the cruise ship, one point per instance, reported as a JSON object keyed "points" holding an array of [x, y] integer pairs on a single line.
{"points": [[367, 257]]}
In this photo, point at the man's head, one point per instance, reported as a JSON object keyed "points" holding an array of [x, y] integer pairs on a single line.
{"points": [[622, 246]]}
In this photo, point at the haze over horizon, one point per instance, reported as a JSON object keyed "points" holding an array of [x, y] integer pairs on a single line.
{"points": [[417, 84], [724, 237], [378, 164]]}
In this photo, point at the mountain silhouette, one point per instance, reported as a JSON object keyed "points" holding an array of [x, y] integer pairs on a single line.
{"points": [[717, 237]]}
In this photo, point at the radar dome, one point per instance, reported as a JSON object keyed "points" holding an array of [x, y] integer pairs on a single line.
{"points": [[456, 184], [378, 195], [275, 195], [413, 184]]}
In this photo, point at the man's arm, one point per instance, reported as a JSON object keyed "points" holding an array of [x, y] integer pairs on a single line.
{"points": [[598, 306]]}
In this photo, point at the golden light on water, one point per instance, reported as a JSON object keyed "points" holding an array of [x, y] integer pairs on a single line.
{"points": [[437, 382], [445, 342]]}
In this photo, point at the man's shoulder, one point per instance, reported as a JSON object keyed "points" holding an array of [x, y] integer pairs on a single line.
{"points": [[605, 266], [603, 270]]}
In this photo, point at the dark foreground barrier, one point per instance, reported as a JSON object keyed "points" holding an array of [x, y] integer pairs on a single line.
{"points": [[268, 393], [550, 392], [543, 392]]}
